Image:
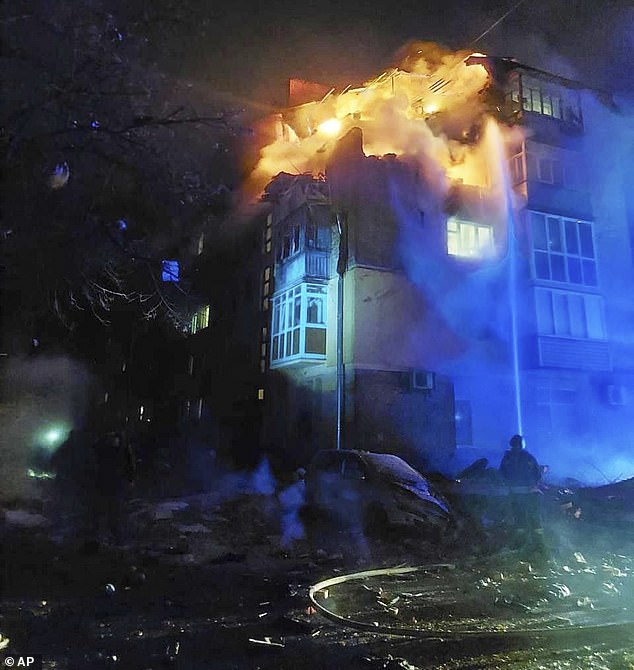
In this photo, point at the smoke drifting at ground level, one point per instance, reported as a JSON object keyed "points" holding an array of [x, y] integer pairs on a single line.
{"points": [[45, 397]]}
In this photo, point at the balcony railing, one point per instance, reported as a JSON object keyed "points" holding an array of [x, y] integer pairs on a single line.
{"points": [[311, 264], [558, 352]]}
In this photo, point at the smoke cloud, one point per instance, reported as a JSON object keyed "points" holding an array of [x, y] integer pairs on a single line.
{"points": [[48, 397]]}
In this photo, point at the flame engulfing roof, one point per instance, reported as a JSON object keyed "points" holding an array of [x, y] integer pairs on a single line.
{"points": [[427, 109]]}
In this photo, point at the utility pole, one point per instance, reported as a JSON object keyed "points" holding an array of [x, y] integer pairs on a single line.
{"points": [[342, 264]]}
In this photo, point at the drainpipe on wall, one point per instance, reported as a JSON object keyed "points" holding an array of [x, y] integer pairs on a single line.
{"points": [[341, 373]]}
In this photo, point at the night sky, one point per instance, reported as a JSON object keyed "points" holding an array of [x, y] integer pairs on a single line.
{"points": [[251, 49]]}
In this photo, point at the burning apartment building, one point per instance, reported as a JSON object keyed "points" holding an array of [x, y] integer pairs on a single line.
{"points": [[445, 259]]}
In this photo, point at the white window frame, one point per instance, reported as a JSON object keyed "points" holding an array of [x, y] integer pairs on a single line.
{"points": [[557, 247], [467, 239], [569, 314], [290, 325]]}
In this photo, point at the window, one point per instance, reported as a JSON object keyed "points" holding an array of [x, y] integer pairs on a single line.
{"points": [[267, 277], [317, 237], [170, 271], [268, 235], [266, 281], [264, 348], [200, 319], [559, 167], [518, 170], [468, 239], [563, 249], [567, 314], [311, 235], [538, 100], [298, 324], [546, 169], [289, 243]]}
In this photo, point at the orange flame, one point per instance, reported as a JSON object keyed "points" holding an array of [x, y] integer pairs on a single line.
{"points": [[428, 108]]}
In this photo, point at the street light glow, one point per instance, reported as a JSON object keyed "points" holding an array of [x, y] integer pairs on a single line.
{"points": [[53, 435]]}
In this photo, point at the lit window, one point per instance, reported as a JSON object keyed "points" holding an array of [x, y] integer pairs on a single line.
{"points": [[200, 319], [563, 249], [170, 271], [260, 394], [538, 100], [298, 324], [266, 282], [468, 239]]}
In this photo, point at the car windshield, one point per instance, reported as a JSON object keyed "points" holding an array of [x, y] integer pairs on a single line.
{"points": [[393, 468]]}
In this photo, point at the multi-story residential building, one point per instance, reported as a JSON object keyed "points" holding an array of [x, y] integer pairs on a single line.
{"points": [[571, 173], [391, 399], [433, 353], [460, 316]]}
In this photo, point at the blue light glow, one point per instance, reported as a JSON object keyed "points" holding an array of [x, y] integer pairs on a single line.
{"points": [[171, 271]]}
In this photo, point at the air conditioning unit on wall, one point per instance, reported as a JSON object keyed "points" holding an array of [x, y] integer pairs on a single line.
{"points": [[422, 380]]}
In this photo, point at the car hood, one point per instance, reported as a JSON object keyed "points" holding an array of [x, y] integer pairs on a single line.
{"points": [[420, 490]]}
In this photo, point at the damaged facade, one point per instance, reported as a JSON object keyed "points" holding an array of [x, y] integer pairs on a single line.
{"points": [[444, 287], [393, 399]]}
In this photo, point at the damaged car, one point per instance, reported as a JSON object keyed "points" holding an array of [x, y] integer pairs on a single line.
{"points": [[373, 492]]}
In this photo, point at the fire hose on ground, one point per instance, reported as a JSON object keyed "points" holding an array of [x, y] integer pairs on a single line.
{"points": [[617, 627]]}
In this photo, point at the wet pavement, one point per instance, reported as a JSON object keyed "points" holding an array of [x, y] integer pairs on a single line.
{"points": [[180, 594]]}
